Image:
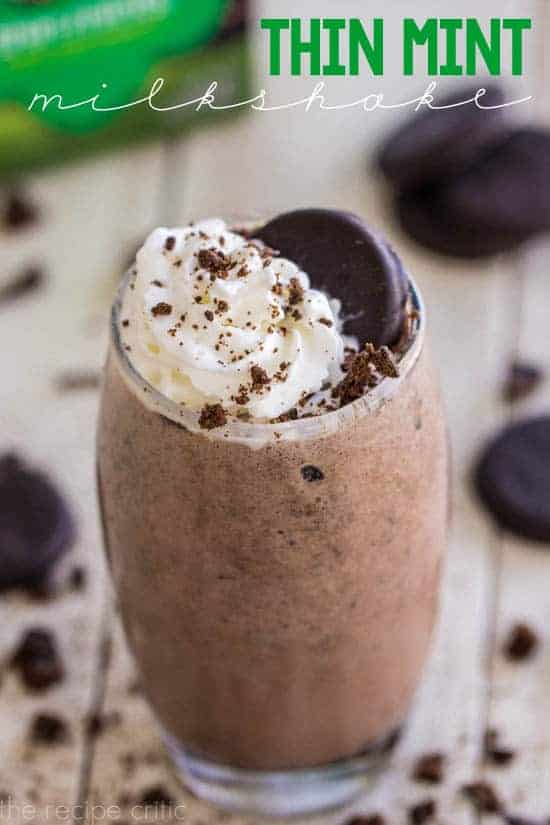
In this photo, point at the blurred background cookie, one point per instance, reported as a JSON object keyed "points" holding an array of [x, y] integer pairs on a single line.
{"points": [[437, 142], [512, 478], [36, 526]]}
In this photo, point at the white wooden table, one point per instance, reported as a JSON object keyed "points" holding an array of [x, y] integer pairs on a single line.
{"points": [[93, 214]]}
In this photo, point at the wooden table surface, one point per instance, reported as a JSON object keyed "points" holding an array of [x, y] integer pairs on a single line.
{"points": [[93, 215]]}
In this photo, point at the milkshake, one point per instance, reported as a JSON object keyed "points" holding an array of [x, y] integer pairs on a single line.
{"points": [[274, 503]]}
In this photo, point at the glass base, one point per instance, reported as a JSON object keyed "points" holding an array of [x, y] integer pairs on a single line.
{"points": [[280, 793]]}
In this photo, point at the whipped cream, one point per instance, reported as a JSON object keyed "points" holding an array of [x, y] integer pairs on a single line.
{"points": [[212, 317]]}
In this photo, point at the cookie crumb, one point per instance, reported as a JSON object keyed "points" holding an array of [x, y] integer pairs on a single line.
{"points": [[295, 292], [359, 377], [429, 768], [37, 660], [19, 212], [422, 812], [493, 750], [383, 361], [212, 416], [215, 262], [162, 308], [311, 473], [28, 279], [522, 379], [156, 795], [521, 644], [98, 723], [49, 729], [170, 243], [483, 797], [260, 378], [77, 578]]}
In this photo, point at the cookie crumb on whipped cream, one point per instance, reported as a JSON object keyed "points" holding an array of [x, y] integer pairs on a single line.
{"points": [[225, 326]]}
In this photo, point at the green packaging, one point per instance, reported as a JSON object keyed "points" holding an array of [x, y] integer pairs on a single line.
{"points": [[72, 72]]}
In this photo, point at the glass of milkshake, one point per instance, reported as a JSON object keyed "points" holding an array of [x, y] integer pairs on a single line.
{"points": [[274, 499]]}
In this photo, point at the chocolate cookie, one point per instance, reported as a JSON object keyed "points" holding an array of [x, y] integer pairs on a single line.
{"points": [[506, 190], [347, 261], [435, 144], [36, 527], [512, 478], [430, 218]]}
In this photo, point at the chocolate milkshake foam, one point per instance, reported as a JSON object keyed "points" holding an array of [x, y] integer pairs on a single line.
{"points": [[274, 503]]}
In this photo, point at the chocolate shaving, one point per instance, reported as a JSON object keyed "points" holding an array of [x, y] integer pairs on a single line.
{"points": [[209, 315], [162, 308], [326, 322], [169, 243], [212, 416]]}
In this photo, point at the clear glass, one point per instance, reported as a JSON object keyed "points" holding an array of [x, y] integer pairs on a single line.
{"points": [[280, 618]]}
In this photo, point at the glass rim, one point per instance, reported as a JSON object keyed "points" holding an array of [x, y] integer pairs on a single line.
{"points": [[260, 432]]}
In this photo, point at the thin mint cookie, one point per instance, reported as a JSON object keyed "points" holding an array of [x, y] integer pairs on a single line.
{"points": [[36, 527], [345, 259], [429, 217], [512, 478], [507, 190], [435, 144]]}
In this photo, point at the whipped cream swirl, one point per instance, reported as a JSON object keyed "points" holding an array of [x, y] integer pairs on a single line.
{"points": [[215, 318]]}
